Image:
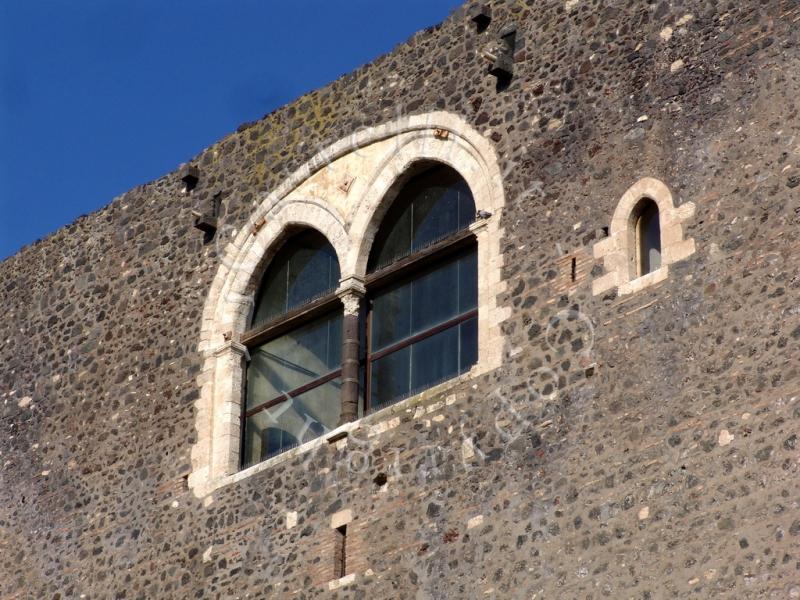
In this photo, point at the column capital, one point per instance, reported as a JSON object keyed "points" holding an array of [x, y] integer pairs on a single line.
{"points": [[232, 347], [351, 291], [352, 303], [351, 285]]}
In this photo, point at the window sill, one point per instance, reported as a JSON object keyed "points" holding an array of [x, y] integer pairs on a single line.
{"points": [[638, 284], [375, 424]]}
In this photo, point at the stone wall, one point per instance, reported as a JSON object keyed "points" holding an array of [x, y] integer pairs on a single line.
{"points": [[630, 446]]}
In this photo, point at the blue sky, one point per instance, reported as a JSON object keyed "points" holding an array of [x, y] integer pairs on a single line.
{"points": [[98, 96]]}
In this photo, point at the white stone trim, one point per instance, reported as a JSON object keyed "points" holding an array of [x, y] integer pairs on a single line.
{"points": [[343, 517], [371, 161], [341, 582], [618, 250]]}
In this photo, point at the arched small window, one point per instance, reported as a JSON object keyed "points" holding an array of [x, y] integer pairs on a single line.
{"points": [[293, 378], [648, 237], [422, 284]]}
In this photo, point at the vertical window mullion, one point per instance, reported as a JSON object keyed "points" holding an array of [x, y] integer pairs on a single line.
{"points": [[368, 358], [411, 331], [458, 209], [328, 346], [459, 308], [459, 311], [288, 271], [458, 351], [411, 229]]}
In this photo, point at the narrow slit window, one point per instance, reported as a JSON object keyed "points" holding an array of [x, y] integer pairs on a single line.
{"points": [[648, 237], [340, 552], [574, 269]]}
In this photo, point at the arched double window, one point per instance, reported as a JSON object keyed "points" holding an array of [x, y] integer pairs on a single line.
{"points": [[416, 328]]}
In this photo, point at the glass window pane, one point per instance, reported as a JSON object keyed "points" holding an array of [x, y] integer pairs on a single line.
{"points": [[390, 378], [431, 299], [468, 349], [391, 316], [311, 273], [468, 282], [292, 360], [435, 215], [291, 423], [649, 234], [263, 438], [394, 239], [424, 364], [434, 297], [466, 204], [271, 299], [303, 269], [653, 259], [434, 359], [431, 205]]}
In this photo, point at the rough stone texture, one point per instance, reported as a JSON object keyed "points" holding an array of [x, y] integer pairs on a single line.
{"points": [[642, 446]]}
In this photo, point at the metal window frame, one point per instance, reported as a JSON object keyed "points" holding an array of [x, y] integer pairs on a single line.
{"points": [[273, 329], [460, 243]]}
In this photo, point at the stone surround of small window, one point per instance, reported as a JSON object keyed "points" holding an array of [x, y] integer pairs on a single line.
{"points": [[342, 193], [621, 250]]}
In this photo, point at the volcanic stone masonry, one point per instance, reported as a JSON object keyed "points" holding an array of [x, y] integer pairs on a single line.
{"points": [[638, 442]]}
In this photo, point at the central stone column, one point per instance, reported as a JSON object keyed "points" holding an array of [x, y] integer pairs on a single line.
{"points": [[351, 294]]}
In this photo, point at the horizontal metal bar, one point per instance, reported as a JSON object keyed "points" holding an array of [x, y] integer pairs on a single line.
{"points": [[422, 335], [291, 320], [419, 260], [294, 393]]}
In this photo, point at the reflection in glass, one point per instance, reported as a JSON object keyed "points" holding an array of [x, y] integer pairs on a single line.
{"points": [[292, 422], [424, 364], [423, 330], [294, 380], [390, 378], [303, 269], [294, 360], [431, 298], [432, 205]]}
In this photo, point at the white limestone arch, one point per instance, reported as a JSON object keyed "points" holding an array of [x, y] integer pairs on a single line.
{"points": [[482, 175], [243, 272], [382, 188], [341, 192], [618, 250]]}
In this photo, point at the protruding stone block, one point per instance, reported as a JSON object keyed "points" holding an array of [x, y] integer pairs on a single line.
{"points": [[481, 15], [503, 66], [343, 517], [190, 175], [206, 223]]}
